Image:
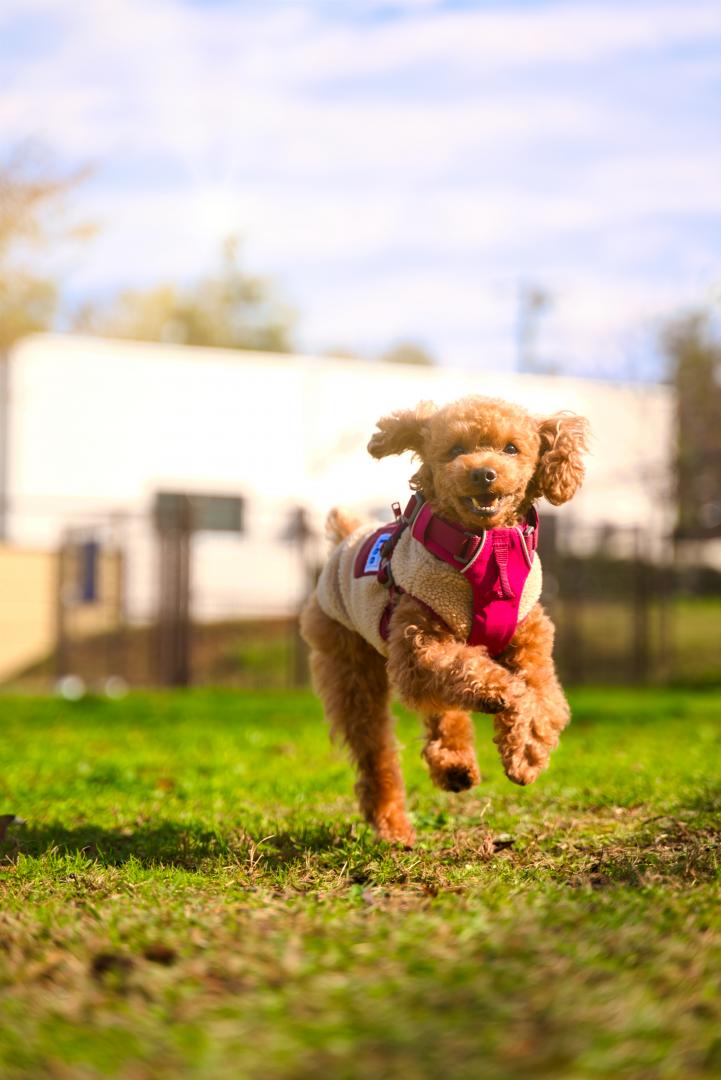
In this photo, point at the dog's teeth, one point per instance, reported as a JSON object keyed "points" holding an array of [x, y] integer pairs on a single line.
{"points": [[481, 507]]}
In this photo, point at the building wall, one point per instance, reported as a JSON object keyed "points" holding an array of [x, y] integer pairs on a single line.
{"points": [[29, 584], [4, 383], [27, 606]]}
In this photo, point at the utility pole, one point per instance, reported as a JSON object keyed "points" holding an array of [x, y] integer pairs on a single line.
{"points": [[532, 303]]}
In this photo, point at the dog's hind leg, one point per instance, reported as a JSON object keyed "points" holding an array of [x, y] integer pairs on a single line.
{"points": [[350, 678], [449, 750]]}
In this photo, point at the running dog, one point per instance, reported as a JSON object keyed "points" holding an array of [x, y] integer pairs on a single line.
{"points": [[442, 605]]}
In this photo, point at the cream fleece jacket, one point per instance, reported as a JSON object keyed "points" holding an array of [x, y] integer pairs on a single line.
{"points": [[358, 603]]}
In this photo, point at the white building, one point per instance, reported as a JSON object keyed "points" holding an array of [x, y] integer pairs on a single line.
{"points": [[94, 428]]}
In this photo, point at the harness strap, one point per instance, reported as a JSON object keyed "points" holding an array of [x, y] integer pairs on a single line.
{"points": [[445, 540], [530, 532], [403, 520], [501, 551], [384, 627]]}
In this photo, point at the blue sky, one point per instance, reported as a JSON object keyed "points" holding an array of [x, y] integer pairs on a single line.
{"points": [[401, 169]]}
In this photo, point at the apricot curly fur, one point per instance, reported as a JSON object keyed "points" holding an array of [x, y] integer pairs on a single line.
{"points": [[449, 751], [431, 670], [350, 678], [339, 524]]}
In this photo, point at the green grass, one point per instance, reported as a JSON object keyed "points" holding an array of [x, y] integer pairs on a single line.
{"points": [[193, 895]]}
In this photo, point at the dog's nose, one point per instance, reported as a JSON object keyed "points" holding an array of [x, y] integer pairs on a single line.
{"points": [[483, 476]]}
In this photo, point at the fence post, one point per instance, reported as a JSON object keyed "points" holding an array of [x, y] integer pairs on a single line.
{"points": [[302, 535], [117, 657], [61, 585], [174, 531], [641, 602], [571, 587], [665, 591]]}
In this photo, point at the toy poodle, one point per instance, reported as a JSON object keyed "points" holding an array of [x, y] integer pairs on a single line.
{"points": [[442, 605]]}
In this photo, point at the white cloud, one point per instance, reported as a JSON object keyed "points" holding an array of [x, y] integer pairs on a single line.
{"points": [[215, 119]]}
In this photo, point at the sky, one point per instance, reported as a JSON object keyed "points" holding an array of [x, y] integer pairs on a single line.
{"points": [[402, 170]]}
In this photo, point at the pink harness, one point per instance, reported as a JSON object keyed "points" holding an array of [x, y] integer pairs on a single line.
{"points": [[495, 563]]}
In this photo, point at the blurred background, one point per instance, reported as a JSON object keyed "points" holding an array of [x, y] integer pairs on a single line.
{"points": [[233, 235]]}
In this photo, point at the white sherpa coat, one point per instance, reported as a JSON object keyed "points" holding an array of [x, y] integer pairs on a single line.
{"points": [[358, 603]]}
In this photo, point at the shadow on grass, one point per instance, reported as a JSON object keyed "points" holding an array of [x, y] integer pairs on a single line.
{"points": [[677, 848], [174, 845]]}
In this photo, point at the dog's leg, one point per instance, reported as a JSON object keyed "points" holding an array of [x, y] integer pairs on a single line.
{"points": [[449, 751], [528, 731], [432, 670], [350, 678]]}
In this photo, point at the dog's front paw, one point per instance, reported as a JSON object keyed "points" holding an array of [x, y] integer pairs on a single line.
{"points": [[525, 764], [451, 770], [520, 772], [490, 702], [499, 696]]}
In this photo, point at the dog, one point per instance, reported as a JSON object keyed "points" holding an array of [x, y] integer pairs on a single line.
{"points": [[442, 605]]}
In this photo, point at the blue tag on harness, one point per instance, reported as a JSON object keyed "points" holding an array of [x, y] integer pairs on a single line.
{"points": [[373, 562]]}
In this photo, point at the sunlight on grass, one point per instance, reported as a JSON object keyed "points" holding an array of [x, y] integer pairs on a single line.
{"points": [[192, 894]]}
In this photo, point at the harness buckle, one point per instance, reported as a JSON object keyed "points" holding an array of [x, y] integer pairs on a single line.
{"points": [[385, 574], [413, 509], [462, 556]]}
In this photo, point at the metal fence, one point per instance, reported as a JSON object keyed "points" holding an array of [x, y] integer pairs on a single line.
{"points": [[125, 607]]}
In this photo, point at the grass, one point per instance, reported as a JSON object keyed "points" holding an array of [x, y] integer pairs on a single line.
{"points": [[192, 895]]}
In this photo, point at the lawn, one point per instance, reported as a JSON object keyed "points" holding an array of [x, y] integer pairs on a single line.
{"points": [[191, 894]]}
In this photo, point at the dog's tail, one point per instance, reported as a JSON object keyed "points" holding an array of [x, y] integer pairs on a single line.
{"points": [[339, 524]]}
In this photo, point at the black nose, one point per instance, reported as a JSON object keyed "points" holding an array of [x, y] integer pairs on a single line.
{"points": [[483, 476]]}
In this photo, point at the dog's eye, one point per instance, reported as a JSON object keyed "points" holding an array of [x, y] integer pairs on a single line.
{"points": [[510, 448], [456, 451]]}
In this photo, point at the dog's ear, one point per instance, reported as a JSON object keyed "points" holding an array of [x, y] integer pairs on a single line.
{"points": [[560, 469], [402, 430]]}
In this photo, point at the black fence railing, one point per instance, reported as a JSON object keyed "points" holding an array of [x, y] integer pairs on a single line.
{"points": [[629, 608]]}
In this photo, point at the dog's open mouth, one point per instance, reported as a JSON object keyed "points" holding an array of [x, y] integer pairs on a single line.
{"points": [[484, 505]]}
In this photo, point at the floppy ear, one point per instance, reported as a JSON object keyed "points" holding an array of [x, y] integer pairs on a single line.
{"points": [[402, 430], [560, 469]]}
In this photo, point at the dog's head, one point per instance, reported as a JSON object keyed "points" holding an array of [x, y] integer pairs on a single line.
{"points": [[484, 461]]}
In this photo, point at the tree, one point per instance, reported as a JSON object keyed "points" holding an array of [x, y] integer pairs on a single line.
{"points": [[408, 352], [695, 359], [229, 309], [342, 352], [32, 218], [27, 304]]}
